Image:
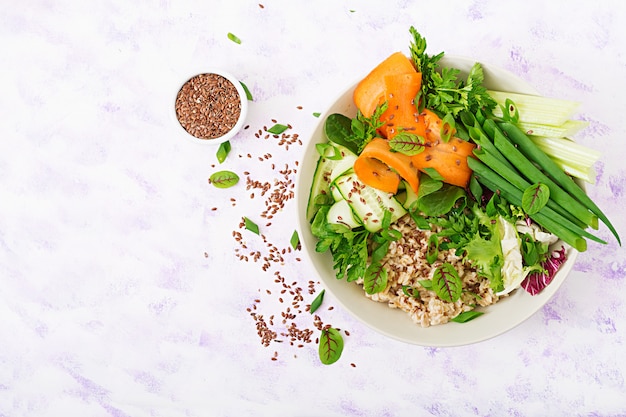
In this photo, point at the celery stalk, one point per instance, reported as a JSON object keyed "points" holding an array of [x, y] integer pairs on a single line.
{"points": [[567, 129], [536, 109], [575, 159]]}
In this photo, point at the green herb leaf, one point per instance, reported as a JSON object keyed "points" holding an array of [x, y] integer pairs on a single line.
{"points": [[224, 179], [411, 291], [251, 226], [446, 283], [317, 302], [317, 114], [328, 151], [223, 151], [295, 240], [338, 129], [331, 346], [466, 316], [375, 279], [247, 90], [277, 129], [433, 173], [234, 38], [426, 283], [535, 197], [407, 143]]}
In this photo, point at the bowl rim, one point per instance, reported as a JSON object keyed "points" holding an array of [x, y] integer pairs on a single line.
{"points": [[243, 101], [330, 283]]}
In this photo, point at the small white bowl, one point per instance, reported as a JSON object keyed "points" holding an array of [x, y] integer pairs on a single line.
{"points": [[498, 318], [243, 102]]}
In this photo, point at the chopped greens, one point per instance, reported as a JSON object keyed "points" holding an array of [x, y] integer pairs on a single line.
{"points": [[277, 129], [317, 302], [223, 151], [234, 38], [251, 226]]}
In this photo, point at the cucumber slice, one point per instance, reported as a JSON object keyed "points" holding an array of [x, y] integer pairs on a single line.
{"points": [[341, 213], [368, 203], [326, 171]]}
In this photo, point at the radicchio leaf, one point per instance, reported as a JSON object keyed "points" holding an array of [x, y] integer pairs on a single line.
{"points": [[535, 282]]}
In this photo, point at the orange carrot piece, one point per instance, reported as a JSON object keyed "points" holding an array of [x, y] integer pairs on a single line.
{"points": [[449, 159], [369, 92], [402, 114], [376, 174], [376, 159]]}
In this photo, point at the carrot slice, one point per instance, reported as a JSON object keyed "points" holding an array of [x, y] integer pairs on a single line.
{"points": [[449, 159], [402, 114], [376, 174], [369, 92], [379, 167]]}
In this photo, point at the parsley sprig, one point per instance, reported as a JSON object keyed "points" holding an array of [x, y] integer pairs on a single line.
{"points": [[442, 90]]}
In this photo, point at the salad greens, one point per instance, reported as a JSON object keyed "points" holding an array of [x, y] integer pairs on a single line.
{"points": [[518, 203]]}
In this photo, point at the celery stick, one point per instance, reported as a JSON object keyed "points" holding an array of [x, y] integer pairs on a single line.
{"points": [[567, 129], [567, 150], [536, 109], [587, 174]]}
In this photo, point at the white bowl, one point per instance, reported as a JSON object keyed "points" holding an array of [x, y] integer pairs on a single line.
{"points": [[498, 318], [242, 115]]}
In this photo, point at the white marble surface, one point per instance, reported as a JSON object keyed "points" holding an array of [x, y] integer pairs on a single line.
{"points": [[121, 292]]}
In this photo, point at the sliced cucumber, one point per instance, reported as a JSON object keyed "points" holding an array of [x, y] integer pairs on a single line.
{"points": [[341, 213], [368, 203], [326, 171]]}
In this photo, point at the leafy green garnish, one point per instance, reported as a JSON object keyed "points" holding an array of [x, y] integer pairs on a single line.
{"points": [[535, 197], [375, 279], [295, 240], [223, 151], [446, 283], [224, 179], [442, 90], [251, 226], [407, 143], [317, 302], [234, 38], [466, 316], [317, 114], [247, 90], [277, 129], [331, 346]]}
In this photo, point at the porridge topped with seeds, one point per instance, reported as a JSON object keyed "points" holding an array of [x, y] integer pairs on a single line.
{"points": [[407, 265]]}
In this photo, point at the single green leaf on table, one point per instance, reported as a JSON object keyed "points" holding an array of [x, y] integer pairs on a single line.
{"points": [[331, 346], [247, 90], [446, 283], [407, 143], [251, 226], [223, 151], [295, 240], [375, 279], [317, 114], [317, 302], [224, 179], [234, 38], [535, 197], [277, 129], [466, 316]]}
